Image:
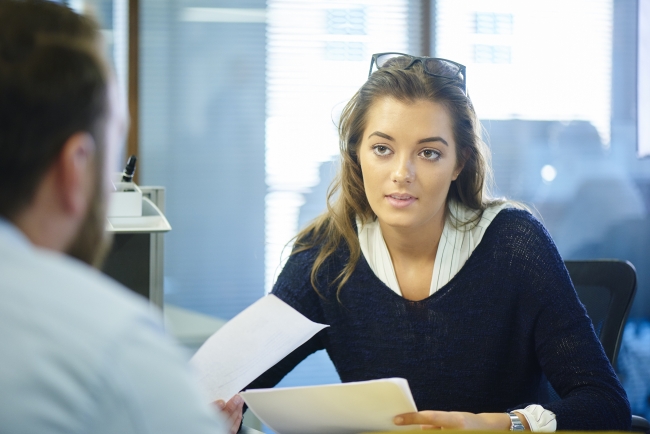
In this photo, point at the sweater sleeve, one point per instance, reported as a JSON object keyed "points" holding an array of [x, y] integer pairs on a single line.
{"points": [[566, 345], [294, 288]]}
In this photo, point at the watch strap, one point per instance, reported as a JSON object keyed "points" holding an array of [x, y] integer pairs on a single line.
{"points": [[515, 423]]}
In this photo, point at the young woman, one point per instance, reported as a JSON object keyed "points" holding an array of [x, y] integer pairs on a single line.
{"points": [[421, 275]]}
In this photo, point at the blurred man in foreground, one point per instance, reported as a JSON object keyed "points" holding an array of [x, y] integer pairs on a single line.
{"points": [[78, 352]]}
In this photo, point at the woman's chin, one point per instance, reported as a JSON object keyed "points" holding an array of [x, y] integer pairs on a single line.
{"points": [[398, 221]]}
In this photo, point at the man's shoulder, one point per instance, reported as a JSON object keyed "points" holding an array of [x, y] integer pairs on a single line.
{"points": [[67, 328], [56, 288], [79, 277]]}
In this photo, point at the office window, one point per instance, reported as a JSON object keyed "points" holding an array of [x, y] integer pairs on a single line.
{"points": [[318, 56], [112, 16], [492, 53], [643, 80], [346, 21], [339, 50], [493, 23], [560, 119], [202, 129]]}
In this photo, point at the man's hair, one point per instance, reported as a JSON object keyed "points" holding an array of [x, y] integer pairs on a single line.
{"points": [[53, 84]]}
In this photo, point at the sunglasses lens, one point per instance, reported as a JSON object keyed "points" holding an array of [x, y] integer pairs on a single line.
{"points": [[393, 60], [443, 68], [433, 66]]}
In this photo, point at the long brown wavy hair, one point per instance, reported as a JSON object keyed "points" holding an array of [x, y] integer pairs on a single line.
{"points": [[346, 198]]}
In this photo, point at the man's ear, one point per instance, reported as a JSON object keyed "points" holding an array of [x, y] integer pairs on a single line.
{"points": [[76, 166]]}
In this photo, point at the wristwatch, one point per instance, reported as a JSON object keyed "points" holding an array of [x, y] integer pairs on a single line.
{"points": [[515, 423]]}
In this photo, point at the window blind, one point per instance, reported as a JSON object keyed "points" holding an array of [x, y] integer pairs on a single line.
{"points": [[546, 60], [318, 55]]}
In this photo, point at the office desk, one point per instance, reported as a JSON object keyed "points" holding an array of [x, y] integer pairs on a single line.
{"points": [[246, 430], [489, 432]]}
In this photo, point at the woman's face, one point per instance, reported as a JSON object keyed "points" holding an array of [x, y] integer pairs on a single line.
{"points": [[408, 160]]}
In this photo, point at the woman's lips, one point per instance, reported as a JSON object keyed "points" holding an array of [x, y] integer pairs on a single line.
{"points": [[400, 200]]}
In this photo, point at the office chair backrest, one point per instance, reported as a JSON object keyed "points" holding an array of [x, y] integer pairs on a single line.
{"points": [[606, 287]]}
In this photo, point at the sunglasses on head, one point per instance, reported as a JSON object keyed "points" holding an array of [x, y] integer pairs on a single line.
{"points": [[434, 66]]}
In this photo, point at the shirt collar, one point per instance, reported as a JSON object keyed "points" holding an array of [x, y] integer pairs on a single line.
{"points": [[11, 235]]}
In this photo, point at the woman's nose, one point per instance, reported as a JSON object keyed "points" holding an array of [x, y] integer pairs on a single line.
{"points": [[404, 171]]}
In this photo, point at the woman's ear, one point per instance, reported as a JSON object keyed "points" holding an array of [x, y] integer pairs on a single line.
{"points": [[460, 164], [457, 170]]}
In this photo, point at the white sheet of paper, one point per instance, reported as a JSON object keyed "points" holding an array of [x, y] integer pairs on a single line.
{"points": [[249, 344], [346, 408]]}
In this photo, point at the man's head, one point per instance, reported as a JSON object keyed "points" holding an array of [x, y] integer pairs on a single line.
{"points": [[59, 126]]}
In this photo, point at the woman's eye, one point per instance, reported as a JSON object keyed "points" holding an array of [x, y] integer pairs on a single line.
{"points": [[381, 150], [430, 154]]}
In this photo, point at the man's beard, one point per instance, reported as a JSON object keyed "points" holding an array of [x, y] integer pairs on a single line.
{"points": [[92, 242]]}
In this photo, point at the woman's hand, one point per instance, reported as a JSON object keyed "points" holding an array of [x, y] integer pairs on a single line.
{"points": [[457, 420], [231, 412]]}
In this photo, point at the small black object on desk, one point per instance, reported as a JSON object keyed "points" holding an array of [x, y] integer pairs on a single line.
{"points": [[129, 170]]}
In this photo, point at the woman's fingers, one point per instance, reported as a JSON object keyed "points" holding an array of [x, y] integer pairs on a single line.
{"points": [[454, 420], [235, 404], [232, 412], [432, 419], [234, 408]]}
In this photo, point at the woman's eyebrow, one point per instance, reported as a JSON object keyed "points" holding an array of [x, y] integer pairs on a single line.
{"points": [[434, 139], [382, 135]]}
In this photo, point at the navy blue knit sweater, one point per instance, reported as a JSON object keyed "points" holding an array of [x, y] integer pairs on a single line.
{"points": [[479, 344]]}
